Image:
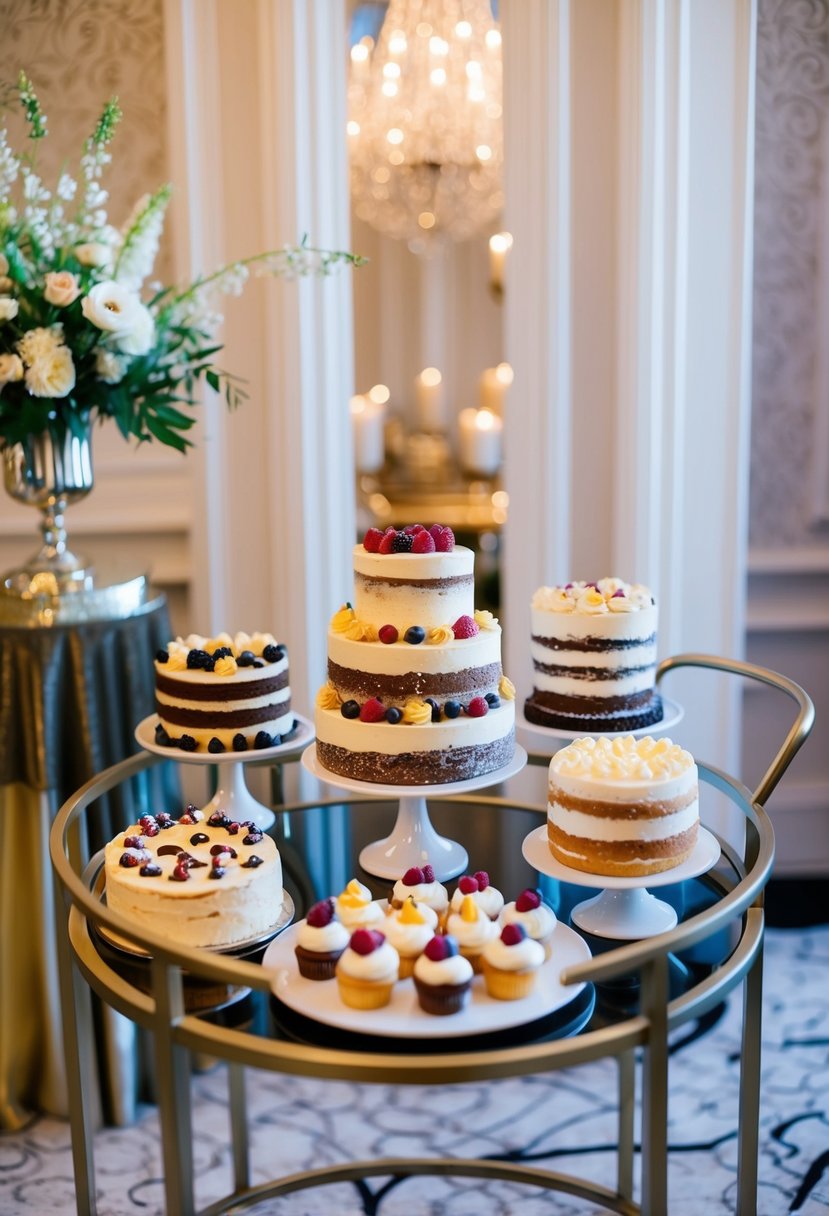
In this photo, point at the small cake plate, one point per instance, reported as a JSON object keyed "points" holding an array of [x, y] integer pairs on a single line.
{"points": [[550, 739], [232, 795], [624, 909], [413, 840], [402, 1018]]}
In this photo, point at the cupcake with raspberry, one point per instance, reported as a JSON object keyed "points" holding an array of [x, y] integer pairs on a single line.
{"points": [[472, 929], [421, 884], [355, 907], [367, 970], [510, 964], [488, 898], [538, 918], [408, 930], [321, 939], [442, 977], [428, 914]]}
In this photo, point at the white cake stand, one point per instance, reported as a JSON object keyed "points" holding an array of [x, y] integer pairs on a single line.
{"points": [[624, 909], [413, 840], [550, 739], [232, 794]]}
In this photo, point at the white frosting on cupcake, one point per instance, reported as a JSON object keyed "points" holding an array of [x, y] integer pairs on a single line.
{"points": [[453, 970], [379, 964], [519, 957], [322, 939], [539, 922]]}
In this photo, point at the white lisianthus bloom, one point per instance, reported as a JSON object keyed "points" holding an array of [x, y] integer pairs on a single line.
{"points": [[109, 367], [93, 253], [11, 368], [61, 288], [8, 308], [40, 343], [52, 375], [111, 307], [139, 339]]}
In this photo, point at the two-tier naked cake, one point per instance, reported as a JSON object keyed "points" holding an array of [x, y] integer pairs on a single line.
{"points": [[415, 692], [593, 648]]}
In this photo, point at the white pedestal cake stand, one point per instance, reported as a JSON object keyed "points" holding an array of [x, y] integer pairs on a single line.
{"points": [[550, 739], [413, 840], [624, 910], [232, 795]]}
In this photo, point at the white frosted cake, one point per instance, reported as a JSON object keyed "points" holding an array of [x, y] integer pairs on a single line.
{"points": [[195, 881], [622, 806], [593, 649], [223, 694], [415, 692]]}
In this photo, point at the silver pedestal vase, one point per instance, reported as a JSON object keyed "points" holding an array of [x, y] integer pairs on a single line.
{"points": [[49, 471]]}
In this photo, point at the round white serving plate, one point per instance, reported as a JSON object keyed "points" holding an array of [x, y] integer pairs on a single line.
{"points": [[552, 739], [624, 909], [319, 1000]]}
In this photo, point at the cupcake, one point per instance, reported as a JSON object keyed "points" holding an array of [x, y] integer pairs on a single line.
{"points": [[472, 929], [488, 898], [442, 977], [409, 931], [320, 941], [367, 970], [355, 907], [510, 963], [424, 888], [428, 914], [538, 918]]}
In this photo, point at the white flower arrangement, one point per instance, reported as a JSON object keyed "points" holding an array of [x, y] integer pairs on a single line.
{"points": [[80, 334]]}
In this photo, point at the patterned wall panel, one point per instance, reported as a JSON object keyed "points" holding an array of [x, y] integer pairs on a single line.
{"points": [[790, 206]]}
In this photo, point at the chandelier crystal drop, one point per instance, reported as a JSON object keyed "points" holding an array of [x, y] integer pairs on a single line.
{"points": [[425, 127]]}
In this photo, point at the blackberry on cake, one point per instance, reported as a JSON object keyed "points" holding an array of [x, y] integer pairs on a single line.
{"points": [[416, 694], [622, 806], [223, 694], [593, 648]]}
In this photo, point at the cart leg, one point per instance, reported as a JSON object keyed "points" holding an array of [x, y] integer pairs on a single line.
{"points": [[655, 1090], [749, 1113], [627, 1103], [172, 1066], [238, 1126]]}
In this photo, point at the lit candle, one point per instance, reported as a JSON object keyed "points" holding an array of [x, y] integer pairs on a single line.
{"points": [[499, 246], [368, 422], [429, 400], [493, 387], [480, 441]]}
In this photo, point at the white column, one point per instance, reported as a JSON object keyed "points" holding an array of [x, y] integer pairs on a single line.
{"points": [[537, 311], [258, 123]]}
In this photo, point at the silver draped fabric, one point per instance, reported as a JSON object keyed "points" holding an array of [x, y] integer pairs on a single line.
{"points": [[70, 699]]}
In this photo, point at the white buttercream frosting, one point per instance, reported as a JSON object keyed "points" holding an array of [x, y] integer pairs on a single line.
{"points": [[608, 595], [471, 932], [490, 901], [322, 939], [538, 922], [519, 957], [379, 964], [433, 894], [623, 760], [453, 970]]}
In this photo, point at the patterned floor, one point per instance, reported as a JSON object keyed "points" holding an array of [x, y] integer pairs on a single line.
{"points": [[565, 1120]]}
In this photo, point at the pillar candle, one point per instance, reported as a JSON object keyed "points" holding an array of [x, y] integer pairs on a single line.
{"points": [[368, 419], [429, 400], [479, 441]]}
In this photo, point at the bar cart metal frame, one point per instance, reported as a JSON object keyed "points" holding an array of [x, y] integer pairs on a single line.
{"points": [[739, 883]]}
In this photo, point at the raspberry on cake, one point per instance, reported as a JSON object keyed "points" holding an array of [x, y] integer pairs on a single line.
{"points": [[193, 881], [415, 693], [623, 806], [223, 694], [593, 649]]}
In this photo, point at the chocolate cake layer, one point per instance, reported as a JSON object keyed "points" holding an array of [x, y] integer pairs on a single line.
{"points": [[422, 584], [577, 706], [393, 689], [591, 673], [418, 768], [623, 810], [222, 721], [597, 645], [219, 689], [593, 723]]}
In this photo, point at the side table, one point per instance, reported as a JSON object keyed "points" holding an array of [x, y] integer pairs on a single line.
{"points": [[70, 696]]}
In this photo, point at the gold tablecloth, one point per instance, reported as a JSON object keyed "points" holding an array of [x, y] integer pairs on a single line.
{"points": [[70, 699]]}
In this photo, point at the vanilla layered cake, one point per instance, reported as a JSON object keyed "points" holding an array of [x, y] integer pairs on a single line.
{"points": [[195, 881], [622, 806], [223, 694], [415, 692], [593, 649]]}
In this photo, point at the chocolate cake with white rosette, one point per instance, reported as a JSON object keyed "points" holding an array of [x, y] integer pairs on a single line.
{"points": [[415, 693]]}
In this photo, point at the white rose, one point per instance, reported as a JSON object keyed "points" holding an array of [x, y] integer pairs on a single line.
{"points": [[94, 253], [61, 288], [109, 367], [11, 368], [111, 307], [139, 339], [52, 375], [36, 343], [8, 308]]}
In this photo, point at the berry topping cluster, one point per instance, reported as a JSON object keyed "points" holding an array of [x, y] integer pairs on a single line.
{"points": [[206, 660], [321, 914], [416, 875], [366, 941], [512, 934], [138, 853], [440, 947], [528, 901], [470, 883], [414, 538], [187, 743], [373, 710]]}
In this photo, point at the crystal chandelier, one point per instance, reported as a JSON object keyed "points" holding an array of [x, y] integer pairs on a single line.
{"points": [[425, 130]]}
